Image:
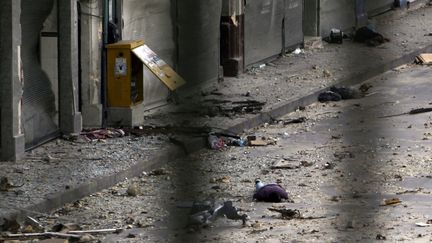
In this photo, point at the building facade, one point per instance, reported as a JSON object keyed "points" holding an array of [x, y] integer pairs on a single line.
{"points": [[53, 68]]}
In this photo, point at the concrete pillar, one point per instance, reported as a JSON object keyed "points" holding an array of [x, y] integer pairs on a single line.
{"points": [[311, 18], [70, 117], [91, 49], [11, 82], [232, 37]]}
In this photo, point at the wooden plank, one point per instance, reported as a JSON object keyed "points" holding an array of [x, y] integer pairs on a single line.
{"points": [[425, 58]]}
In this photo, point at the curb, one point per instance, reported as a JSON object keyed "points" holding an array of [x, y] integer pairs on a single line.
{"points": [[284, 108], [56, 200]]}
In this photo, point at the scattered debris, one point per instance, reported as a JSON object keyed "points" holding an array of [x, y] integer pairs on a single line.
{"points": [[411, 112], [380, 237], [159, 172], [327, 73], [248, 106], [264, 141], [339, 136], [290, 164], [369, 36], [391, 201], [294, 121], [36, 225], [133, 190], [287, 213], [64, 228], [270, 192], [343, 155], [424, 58], [329, 96], [311, 43], [336, 198], [350, 224], [6, 185], [97, 231], [346, 93], [329, 166], [365, 87], [10, 225], [240, 142], [259, 66], [336, 36], [224, 179], [410, 191], [22, 236], [102, 134], [210, 213], [215, 142], [427, 224], [297, 51], [285, 164]]}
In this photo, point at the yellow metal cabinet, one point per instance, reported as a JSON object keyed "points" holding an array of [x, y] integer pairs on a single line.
{"points": [[124, 74]]}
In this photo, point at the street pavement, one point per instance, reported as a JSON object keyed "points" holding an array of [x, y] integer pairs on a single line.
{"points": [[339, 168]]}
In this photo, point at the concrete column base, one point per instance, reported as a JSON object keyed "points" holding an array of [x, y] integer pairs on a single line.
{"points": [[13, 150], [129, 117], [72, 125], [92, 115]]}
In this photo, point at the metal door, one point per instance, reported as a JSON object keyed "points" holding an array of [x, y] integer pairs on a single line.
{"points": [[263, 29], [39, 102], [375, 7], [293, 24], [338, 14], [151, 21], [198, 24]]}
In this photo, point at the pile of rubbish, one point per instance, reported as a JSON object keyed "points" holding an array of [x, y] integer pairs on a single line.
{"points": [[338, 93], [203, 214], [366, 34], [208, 212], [220, 141], [31, 229]]}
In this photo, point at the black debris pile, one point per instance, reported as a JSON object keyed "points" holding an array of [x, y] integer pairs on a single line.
{"points": [[329, 96], [369, 36], [337, 93], [229, 108]]}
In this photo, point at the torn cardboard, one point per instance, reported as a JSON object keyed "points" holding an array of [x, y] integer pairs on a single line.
{"points": [[424, 58]]}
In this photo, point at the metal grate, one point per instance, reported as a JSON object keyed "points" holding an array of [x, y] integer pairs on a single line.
{"points": [[39, 110]]}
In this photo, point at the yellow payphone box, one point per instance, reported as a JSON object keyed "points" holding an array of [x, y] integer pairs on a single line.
{"points": [[124, 74]]}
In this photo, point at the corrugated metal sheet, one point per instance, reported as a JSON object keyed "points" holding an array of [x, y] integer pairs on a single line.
{"points": [[375, 7], [263, 29], [336, 14], [153, 22], [293, 23], [39, 109], [198, 40]]}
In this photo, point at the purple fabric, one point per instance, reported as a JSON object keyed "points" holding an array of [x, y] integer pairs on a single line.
{"points": [[271, 193]]}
